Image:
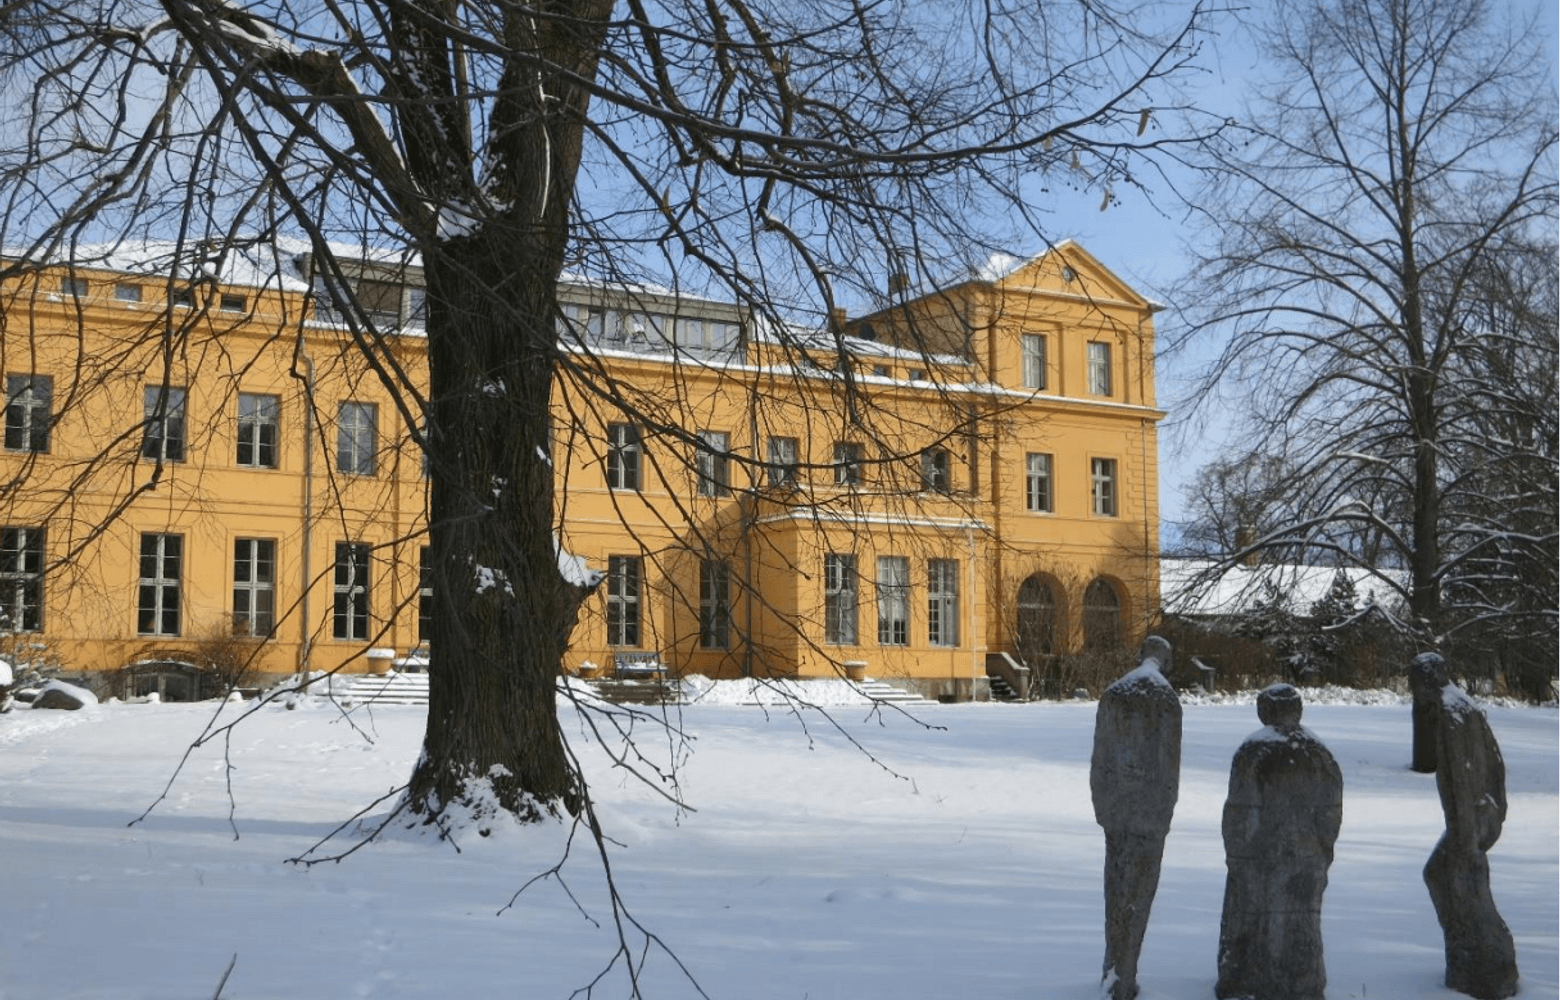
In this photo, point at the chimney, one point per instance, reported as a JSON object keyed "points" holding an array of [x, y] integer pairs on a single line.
{"points": [[1245, 537], [837, 319], [898, 284]]}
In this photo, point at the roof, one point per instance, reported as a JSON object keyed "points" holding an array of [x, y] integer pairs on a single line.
{"points": [[1190, 586]]}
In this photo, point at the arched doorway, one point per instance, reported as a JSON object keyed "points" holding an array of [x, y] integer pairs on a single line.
{"points": [[1101, 616], [1035, 631]]}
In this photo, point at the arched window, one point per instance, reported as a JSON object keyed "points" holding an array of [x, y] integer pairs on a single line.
{"points": [[1101, 616], [1036, 631]]}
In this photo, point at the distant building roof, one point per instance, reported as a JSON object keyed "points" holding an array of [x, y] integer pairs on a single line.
{"points": [[1195, 588]]}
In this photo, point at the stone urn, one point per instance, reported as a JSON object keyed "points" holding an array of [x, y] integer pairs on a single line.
{"points": [[856, 670], [379, 660]]}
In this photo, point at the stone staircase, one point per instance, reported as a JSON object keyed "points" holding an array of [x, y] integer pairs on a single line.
{"points": [[381, 689], [885, 692], [1001, 690]]}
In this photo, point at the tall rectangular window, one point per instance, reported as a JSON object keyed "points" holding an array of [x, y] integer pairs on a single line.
{"points": [[624, 574], [784, 466], [157, 602], [942, 602], [254, 586], [1033, 345], [1099, 369], [163, 438], [1103, 486], [21, 580], [28, 402], [424, 594], [349, 617], [936, 474], [847, 464], [356, 438], [1037, 483], [839, 599], [893, 601], [623, 455], [714, 604], [259, 418], [714, 463]]}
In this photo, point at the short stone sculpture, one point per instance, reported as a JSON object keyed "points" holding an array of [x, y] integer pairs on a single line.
{"points": [[1280, 823], [1426, 690], [1134, 777], [1481, 958]]}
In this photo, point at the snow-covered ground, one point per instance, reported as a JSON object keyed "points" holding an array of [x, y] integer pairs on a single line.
{"points": [[959, 860]]}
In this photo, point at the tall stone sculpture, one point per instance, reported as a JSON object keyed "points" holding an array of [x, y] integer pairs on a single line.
{"points": [[1481, 958], [1280, 823], [1134, 778], [1425, 680]]}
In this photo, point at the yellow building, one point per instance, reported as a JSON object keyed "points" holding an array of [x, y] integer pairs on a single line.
{"points": [[964, 482]]}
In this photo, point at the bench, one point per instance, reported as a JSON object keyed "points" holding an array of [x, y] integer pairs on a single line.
{"points": [[634, 666]]}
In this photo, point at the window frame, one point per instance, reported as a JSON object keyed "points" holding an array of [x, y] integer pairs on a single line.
{"points": [[937, 470], [713, 464], [351, 590], [849, 464], [624, 458], [714, 604], [784, 467], [1033, 351], [357, 440], [1100, 368], [23, 559], [1104, 486], [1039, 482], [29, 413], [259, 589], [424, 594], [252, 427], [841, 620], [624, 611], [159, 594], [166, 424], [942, 603], [892, 586]]}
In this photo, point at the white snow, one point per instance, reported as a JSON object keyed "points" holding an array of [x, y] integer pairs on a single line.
{"points": [[959, 860]]}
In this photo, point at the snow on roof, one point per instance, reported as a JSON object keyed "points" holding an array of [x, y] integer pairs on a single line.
{"points": [[1189, 587]]}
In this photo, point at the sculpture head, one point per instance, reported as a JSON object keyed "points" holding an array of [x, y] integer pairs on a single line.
{"points": [[1280, 706], [1158, 650], [1427, 675]]}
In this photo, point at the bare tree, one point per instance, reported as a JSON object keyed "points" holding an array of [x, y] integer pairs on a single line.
{"points": [[779, 155], [1403, 153]]}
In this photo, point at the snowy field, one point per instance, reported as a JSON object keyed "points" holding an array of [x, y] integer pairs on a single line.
{"points": [[963, 862]]}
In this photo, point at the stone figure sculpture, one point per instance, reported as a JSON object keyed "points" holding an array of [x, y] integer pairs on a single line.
{"points": [[1134, 778], [1280, 823], [1481, 958], [1426, 689]]}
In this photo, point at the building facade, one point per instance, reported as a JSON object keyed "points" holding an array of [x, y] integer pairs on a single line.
{"points": [[227, 457]]}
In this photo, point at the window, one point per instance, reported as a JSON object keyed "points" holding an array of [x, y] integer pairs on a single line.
{"points": [[1037, 483], [839, 599], [258, 417], [847, 464], [27, 404], [416, 306], [355, 438], [623, 578], [381, 303], [714, 464], [164, 428], [74, 287], [1101, 616], [784, 466], [424, 594], [126, 292], [350, 613], [1103, 486], [21, 580], [157, 605], [233, 303], [917, 374], [623, 453], [935, 473], [1034, 361], [714, 604], [254, 586], [182, 298], [1099, 369], [942, 602], [893, 600]]}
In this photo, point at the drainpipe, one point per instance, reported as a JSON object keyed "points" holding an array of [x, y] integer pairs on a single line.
{"points": [[305, 646], [969, 614]]}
